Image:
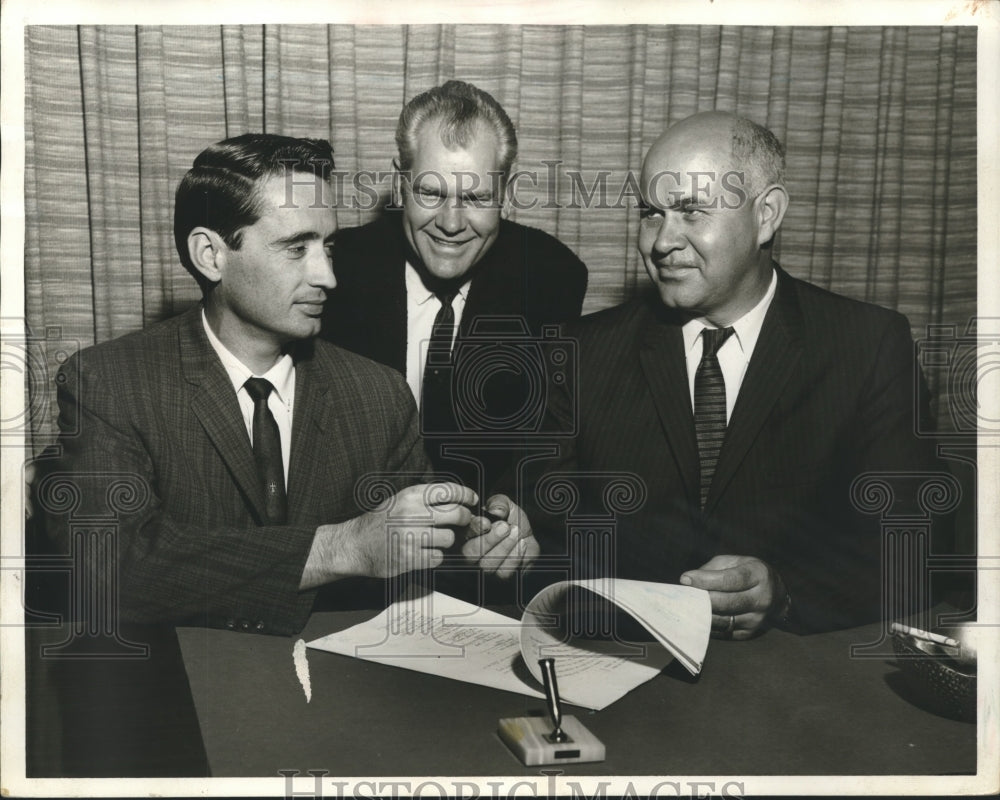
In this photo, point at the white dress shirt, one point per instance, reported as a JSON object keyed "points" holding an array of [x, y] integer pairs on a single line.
{"points": [[280, 401], [422, 306], [734, 355]]}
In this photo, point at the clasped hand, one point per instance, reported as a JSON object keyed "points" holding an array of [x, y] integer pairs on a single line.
{"points": [[744, 590], [502, 542], [421, 521]]}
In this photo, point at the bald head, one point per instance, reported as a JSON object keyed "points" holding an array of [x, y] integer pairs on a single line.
{"points": [[732, 143], [707, 127], [713, 200]]}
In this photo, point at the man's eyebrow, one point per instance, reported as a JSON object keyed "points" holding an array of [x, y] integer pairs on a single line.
{"points": [[683, 202], [427, 187], [676, 204], [482, 196], [296, 238]]}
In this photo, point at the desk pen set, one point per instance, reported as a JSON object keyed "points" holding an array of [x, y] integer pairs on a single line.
{"points": [[558, 740]]}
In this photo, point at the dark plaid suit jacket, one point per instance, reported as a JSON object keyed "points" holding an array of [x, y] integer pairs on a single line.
{"points": [[829, 395], [527, 278], [157, 409]]}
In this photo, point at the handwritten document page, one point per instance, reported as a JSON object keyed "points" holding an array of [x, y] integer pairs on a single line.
{"points": [[441, 635], [444, 636]]}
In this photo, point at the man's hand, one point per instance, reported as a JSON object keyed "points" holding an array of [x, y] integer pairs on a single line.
{"points": [[410, 533], [502, 543], [745, 593]]}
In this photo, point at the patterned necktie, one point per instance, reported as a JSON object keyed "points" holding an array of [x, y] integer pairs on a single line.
{"points": [[710, 405], [267, 451], [435, 394]]}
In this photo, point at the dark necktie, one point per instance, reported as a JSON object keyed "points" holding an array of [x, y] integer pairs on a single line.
{"points": [[710, 405], [435, 395], [267, 451]]}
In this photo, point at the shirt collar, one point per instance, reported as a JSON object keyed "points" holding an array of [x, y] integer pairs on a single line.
{"points": [[418, 293], [281, 375], [747, 328]]}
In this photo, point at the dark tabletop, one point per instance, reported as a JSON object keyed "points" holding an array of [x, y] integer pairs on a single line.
{"points": [[780, 704]]}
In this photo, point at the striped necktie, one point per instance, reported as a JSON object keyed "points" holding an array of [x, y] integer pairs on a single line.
{"points": [[710, 405]]}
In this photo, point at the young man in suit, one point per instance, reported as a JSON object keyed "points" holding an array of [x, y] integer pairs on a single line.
{"points": [[221, 467], [246, 442], [739, 402], [428, 289]]}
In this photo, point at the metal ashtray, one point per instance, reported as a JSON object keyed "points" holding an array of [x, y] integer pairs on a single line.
{"points": [[942, 675]]}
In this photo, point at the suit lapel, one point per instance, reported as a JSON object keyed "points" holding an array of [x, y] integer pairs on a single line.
{"points": [[497, 288], [774, 360], [473, 308], [661, 355], [307, 479], [215, 405], [394, 329], [386, 298], [371, 317]]}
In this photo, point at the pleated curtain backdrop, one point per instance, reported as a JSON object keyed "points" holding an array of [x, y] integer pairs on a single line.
{"points": [[879, 124]]}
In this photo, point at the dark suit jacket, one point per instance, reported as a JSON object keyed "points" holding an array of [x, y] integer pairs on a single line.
{"points": [[828, 395], [157, 408], [527, 277]]}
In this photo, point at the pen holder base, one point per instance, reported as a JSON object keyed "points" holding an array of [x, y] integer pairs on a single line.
{"points": [[527, 738]]}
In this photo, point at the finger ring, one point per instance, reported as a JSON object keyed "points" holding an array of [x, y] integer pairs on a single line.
{"points": [[732, 624]]}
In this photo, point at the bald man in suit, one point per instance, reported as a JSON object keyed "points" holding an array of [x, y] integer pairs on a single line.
{"points": [[743, 402]]}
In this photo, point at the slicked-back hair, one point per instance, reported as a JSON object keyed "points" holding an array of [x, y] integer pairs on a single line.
{"points": [[758, 154], [221, 191], [458, 108]]}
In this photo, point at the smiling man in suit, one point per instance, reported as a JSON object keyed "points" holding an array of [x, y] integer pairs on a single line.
{"points": [[425, 289], [247, 439], [746, 402]]}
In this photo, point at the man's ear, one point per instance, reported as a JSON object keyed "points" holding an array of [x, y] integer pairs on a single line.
{"points": [[505, 202], [397, 185], [770, 208], [207, 252]]}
